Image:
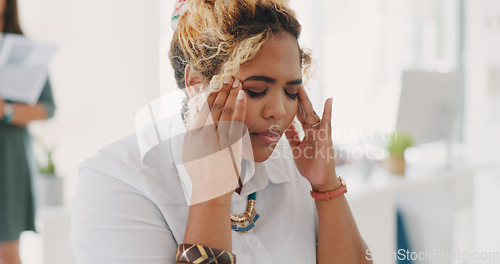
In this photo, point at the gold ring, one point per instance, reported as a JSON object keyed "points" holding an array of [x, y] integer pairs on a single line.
{"points": [[315, 125]]}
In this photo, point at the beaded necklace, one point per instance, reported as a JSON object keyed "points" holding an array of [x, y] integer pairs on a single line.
{"points": [[243, 223]]}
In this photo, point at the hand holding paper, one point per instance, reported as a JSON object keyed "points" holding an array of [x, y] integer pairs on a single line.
{"points": [[23, 68]]}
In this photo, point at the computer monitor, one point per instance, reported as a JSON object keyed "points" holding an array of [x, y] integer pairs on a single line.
{"points": [[428, 106]]}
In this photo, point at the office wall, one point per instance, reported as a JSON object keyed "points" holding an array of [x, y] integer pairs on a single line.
{"points": [[483, 80], [483, 115], [106, 68]]}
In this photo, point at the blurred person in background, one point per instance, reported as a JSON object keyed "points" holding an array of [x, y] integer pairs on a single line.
{"points": [[17, 209]]}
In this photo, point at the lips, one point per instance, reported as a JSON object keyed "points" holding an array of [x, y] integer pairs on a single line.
{"points": [[267, 136]]}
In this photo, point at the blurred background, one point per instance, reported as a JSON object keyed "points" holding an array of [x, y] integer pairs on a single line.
{"points": [[425, 70]]}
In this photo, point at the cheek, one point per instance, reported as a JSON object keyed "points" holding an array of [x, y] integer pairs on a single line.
{"points": [[251, 113], [291, 110]]}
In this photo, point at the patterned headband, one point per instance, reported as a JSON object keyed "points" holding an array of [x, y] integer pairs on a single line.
{"points": [[180, 9]]}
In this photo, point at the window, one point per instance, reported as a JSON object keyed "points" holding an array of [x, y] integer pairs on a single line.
{"points": [[362, 48]]}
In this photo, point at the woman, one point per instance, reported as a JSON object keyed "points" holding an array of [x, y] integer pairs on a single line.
{"points": [[240, 63], [16, 198]]}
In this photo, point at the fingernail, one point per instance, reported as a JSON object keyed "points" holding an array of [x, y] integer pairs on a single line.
{"points": [[236, 83], [240, 96], [227, 80]]}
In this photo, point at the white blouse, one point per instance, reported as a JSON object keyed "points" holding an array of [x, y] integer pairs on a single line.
{"points": [[125, 212]]}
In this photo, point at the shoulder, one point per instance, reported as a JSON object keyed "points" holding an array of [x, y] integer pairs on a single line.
{"points": [[140, 163], [118, 159], [117, 164], [113, 205], [116, 177], [139, 158], [125, 149]]}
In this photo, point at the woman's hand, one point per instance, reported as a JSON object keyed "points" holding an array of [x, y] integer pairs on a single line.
{"points": [[24, 113], [314, 154], [212, 152]]}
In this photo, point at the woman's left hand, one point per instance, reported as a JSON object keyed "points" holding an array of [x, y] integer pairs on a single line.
{"points": [[314, 154]]}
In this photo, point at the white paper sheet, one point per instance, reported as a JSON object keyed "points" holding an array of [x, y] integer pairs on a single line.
{"points": [[23, 68]]}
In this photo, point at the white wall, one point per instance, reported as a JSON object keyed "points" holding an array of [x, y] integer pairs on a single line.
{"points": [[483, 115], [106, 69], [482, 90]]}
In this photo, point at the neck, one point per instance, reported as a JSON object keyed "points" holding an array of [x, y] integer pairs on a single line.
{"points": [[1, 22]]}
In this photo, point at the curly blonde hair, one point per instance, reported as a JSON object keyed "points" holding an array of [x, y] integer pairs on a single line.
{"points": [[215, 37]]}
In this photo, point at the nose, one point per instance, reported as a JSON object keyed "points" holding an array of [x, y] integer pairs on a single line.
{"points": [[274, 108]]}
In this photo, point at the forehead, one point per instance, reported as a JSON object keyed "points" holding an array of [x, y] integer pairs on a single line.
{"points": [[279, 58]]}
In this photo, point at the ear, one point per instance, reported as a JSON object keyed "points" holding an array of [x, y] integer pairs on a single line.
{"points": [[193, 80]]}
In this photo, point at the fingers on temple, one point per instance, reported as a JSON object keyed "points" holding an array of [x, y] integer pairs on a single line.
{"points": [[229, 108], [238, 103], [292, 136], [309, 116], [301, 116], [240, 107], [326, 120], [220, 100]]}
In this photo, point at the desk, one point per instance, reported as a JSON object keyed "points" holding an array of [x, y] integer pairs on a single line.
{"points": [[436, 208], [53, 225]]}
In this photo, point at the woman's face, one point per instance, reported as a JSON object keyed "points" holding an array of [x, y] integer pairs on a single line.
{"points": [[271, 82]]}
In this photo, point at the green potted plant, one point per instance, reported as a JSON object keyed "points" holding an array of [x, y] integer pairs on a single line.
{"points": [[48, 169], [397, 145], [48, 186]]}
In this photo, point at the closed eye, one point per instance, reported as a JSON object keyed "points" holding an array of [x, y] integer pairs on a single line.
{"points": [[292, 96], [253, 94]]}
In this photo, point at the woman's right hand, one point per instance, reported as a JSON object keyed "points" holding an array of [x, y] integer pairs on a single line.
{"points": [[213, 145]]}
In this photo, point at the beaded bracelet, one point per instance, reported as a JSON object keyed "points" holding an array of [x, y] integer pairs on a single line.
{"points": [[187, 253]]}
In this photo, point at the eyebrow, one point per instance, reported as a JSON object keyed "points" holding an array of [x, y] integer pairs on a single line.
{"points": [[270, 80]]}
